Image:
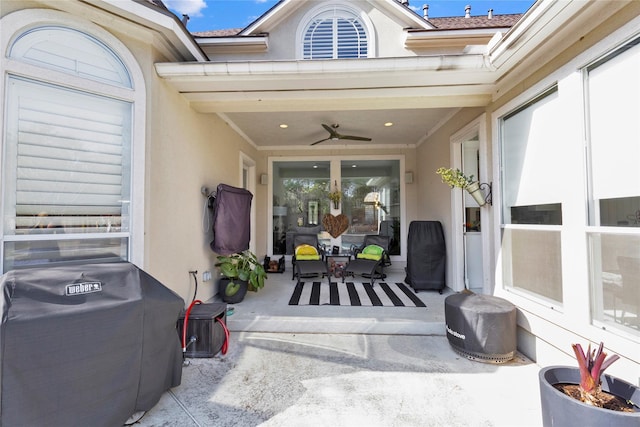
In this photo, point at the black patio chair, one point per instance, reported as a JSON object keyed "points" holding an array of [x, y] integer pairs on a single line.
{"points": [[368, 263], [308, 265]]}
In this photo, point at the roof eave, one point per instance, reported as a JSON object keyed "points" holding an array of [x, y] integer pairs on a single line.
{"points": [[160, 20], [429, 38]]}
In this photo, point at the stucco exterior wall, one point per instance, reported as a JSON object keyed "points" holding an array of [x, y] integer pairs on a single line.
{"points": [[283, 39], [186, 151], [434, 197]]}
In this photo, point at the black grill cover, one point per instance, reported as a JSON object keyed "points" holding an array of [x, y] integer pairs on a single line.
{"points": [[231, 220], [426, 256], [85, 345]]}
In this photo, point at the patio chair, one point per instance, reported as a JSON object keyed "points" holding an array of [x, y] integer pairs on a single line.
{"points": [[308, 257], [370, 258]]}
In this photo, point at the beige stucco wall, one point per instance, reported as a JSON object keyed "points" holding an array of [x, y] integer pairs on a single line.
{"points": [[283, 42], [187, 150], [184, 151], [434, 197]]}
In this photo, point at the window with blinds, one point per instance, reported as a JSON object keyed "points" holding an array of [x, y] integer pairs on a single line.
{"points": [[613, 104], [532, 197], [69, 152], [67, 163], [336, 34]]}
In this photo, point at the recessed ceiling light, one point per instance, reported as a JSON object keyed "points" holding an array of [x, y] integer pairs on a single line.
{"points": [[388, 124], [354, 166], [284, 126]]}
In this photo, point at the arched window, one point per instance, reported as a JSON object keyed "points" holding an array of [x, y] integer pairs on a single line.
{"points": [[335, 34], [69, 135], [70, 51]]}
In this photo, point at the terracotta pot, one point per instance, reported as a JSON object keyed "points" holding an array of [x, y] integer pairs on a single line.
{"points": [[558, 409]]}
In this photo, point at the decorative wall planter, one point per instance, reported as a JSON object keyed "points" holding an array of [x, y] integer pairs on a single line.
{"points": [[558, 409], [476, 193]]}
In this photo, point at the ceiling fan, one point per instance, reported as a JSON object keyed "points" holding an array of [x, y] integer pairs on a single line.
{"points": [[335, 136]]}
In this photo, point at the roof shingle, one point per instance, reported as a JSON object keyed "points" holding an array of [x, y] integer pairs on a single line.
{"points": [[462, 23]]}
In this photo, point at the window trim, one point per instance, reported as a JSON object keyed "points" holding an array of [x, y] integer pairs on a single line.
{"points": [[17, 23]]}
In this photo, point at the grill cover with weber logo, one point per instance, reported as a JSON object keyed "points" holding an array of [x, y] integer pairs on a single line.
{"points": [[85, 345]]}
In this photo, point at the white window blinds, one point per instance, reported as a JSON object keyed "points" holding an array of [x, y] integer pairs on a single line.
{"points": [[335, 35], [534, 153], [67, 162], [614, 124]]}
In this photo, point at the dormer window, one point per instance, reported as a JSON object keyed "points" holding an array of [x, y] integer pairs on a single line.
{"points": [[335, 34]]}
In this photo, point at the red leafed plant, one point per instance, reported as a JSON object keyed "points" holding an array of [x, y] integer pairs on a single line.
{"points": [[592, 364]]}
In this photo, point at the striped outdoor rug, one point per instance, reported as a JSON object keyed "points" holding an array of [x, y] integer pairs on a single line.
{"points": [[355, 294]]}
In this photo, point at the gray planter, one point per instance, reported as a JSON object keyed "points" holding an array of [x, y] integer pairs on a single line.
{"points": [[238, 296], [558, 409]]}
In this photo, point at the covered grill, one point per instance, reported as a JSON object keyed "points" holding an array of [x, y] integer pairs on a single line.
{"points": [[85, 345]]}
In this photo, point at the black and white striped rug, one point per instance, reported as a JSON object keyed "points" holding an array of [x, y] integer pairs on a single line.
{"points": [[355, 294]]}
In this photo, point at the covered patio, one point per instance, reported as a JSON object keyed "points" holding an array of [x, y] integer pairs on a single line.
{"points": [[349, 366]]}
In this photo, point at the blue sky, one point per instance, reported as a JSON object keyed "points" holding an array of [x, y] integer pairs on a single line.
{"points": [[223, 14]]}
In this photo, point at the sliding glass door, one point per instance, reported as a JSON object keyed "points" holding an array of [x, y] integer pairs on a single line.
{"points": [[300, 199], [370, 200]]}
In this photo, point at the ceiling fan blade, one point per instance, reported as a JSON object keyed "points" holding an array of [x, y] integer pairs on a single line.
{"points": [[332, 131], [354, 138], [322, 140]]}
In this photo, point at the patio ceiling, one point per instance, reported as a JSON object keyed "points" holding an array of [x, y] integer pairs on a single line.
{"points": [[416, 94]]}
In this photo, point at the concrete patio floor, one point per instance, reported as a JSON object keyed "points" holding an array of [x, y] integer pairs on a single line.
{"points": [[345, 366]]}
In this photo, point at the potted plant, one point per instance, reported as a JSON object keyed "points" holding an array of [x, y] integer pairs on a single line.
{"points": [[242, 272], [455, 178], [335, 196], [585, 396]]}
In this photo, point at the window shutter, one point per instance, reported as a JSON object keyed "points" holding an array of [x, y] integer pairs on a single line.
{"points": [[70, 149], [319, 40], [352, 42], [335, 34]]}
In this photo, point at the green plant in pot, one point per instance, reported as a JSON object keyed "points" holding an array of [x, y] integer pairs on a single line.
{"points": [[455, 178], [244, 273], [335, 196], [585, 396]]}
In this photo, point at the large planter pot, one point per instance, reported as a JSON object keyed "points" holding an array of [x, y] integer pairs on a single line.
{"points": [[238, 296], [558, 409]]}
